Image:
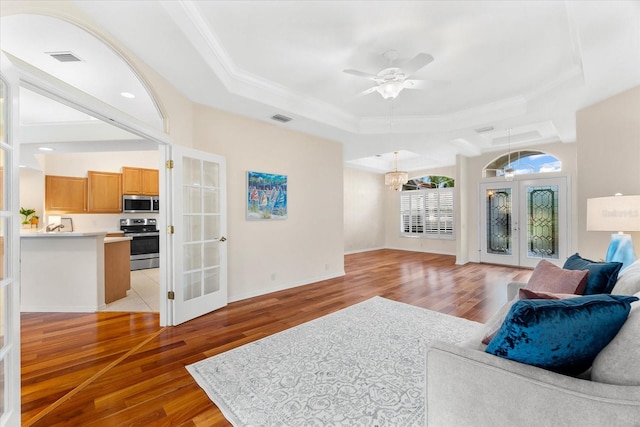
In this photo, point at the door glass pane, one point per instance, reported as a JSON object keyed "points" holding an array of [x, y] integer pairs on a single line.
{"points": [[3, 315], [3, 178], [211, 254], [542, 222], [4, 241], [499, 202], [211, 227], [211, 201], [192, 285], [192, 228], [192, 201], [2, 383], [210, 174], [211, 280], [192, 257], [191, 173]]}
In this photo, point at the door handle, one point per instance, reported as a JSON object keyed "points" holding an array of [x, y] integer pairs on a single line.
{"points": [[223, 239]]}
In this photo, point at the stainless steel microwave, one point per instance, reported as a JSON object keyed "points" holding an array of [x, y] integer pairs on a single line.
{"points": [[140, 204]]}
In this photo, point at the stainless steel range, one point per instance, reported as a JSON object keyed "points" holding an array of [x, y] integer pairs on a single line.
{"points": [[145, 242]]}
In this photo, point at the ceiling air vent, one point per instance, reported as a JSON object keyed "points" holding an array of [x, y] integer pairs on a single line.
{"points": [[484, 129], [64, 56], [280, 118]]}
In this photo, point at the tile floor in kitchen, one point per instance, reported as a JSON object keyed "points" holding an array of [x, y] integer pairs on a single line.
{"points": [[144, 294]]}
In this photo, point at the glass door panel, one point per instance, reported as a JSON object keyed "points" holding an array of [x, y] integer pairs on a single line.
{"points": [[200, 285], [499, 233], [499, 237], [524, 221], [544, 213], [9, 247], [542, 227]]}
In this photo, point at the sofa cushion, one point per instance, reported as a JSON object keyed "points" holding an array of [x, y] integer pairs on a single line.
{"points": [[602, 275], [619, 362], [628, 280], [548, 277], [560, 335]]}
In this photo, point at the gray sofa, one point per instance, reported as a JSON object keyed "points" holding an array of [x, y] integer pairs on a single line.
{"points": [[466, 386]]}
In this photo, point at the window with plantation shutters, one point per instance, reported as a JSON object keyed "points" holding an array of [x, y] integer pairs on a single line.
{"points": [[427, 213]]}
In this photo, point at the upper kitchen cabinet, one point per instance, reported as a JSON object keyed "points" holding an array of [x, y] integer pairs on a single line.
{"points": [[105, 192], [65, 194], [139, 181]]}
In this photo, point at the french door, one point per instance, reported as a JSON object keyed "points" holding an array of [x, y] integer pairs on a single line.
{"points": [[522, 222], [9, 250], [198, 219]]}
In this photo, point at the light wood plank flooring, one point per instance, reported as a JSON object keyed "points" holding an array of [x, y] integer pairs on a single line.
{"points": [[122, 369]]}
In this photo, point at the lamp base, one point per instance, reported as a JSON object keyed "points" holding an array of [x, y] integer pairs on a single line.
{"points": [[621, 250]]}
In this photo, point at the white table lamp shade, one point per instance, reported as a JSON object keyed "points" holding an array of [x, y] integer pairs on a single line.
{"points": [[617, 213]]}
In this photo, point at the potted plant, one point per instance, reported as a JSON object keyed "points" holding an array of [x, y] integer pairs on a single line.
{"points": [[26, 222], [35, 219]]}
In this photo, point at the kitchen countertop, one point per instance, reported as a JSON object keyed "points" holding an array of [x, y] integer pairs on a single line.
{"points": [[41, 233], [116, 239]]}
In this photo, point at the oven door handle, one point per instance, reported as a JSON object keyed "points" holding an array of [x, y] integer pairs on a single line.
{"points": [[153, 233]]}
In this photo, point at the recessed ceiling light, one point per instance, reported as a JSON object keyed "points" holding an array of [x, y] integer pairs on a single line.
{"points": [[128, 95], [45, 149]]}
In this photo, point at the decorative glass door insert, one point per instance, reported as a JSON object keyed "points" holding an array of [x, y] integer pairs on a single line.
{"points": [[542, 227], [199, 216], [524, 221], [499, 233]]}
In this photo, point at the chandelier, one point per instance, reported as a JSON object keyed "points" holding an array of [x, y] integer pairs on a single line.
{"points": [[396, 179]]}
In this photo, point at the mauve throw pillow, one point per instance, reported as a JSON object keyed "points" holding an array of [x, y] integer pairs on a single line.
{"points": [[529, 294], [564, 335], [548, 277], [602, 275]]}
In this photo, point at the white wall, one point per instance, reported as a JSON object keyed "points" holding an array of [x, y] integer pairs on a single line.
{"points": [[306, 247], [609, 157], [364, 213]]}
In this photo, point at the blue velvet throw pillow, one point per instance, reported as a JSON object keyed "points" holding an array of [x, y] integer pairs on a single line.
{"points": [[602, 276], [564, 335]]}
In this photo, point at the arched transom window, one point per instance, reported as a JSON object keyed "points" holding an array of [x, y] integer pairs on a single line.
{"points": [[523, 162]]}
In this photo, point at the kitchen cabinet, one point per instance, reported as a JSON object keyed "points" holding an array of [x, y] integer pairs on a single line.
{"points": [[140, 181], [65, 194], [117, 268], [105, 192]]}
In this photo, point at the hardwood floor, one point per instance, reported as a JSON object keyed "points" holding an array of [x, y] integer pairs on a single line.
{"points": [[122, 369]]}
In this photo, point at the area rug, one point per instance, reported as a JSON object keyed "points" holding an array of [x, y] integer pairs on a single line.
{"points": [[360, 366]]}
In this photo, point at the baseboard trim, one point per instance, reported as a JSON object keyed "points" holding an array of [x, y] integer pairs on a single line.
{"points": [[282, 287]]}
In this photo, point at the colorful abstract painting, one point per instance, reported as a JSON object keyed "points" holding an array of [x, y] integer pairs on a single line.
{"points": [[266, 196]]}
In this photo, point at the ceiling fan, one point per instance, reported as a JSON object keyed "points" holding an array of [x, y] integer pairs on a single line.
{"points": [[390, 81]]}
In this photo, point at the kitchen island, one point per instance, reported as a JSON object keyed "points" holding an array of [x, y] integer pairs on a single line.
{"points": [[63, 271]]}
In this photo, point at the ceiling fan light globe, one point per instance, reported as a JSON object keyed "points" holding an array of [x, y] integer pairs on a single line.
{"points": [[390, 89]]}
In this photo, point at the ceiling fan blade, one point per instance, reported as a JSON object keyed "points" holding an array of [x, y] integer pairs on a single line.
{"points": [[424, 84], [362, 74], [413, 65], [368, 91]]}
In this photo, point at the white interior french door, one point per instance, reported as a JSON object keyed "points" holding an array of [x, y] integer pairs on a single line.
{"points": [[522, 222], [198, 249], [9, 248]]}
